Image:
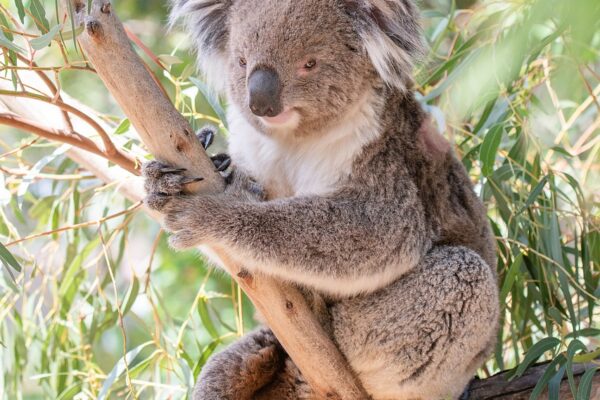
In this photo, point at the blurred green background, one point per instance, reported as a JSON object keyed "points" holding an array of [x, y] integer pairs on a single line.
{"points": [[107, 310]]}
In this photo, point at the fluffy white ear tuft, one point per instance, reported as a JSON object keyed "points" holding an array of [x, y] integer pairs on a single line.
{"points": [[207, 22], [391, 35]]}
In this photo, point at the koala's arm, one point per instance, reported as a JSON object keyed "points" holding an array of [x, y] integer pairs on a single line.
{"points": [[326, 241], [353, 240]]}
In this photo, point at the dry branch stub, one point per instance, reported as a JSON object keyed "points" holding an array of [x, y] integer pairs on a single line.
{"points": [[168, 136]]}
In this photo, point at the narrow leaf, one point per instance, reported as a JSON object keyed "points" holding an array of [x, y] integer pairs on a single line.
{"points": [[45, 40], [39, 13], [8, 259], [119, 368], [20, 10], [212, 99], [535, 352], [4, 42], [551, 371], [123, 127], [585, 384], [489, 148], [574, 346]]}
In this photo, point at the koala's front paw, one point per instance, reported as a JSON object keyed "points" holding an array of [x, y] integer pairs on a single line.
{"points": [[184, 213], [163, 182]]}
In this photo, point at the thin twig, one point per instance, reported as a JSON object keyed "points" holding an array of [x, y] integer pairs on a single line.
{"points": [[51, 86], [72, 138], [76, 226], [109, 147]]}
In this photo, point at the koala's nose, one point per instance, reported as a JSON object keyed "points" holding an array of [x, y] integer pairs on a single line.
{"points": [[264, 89]]}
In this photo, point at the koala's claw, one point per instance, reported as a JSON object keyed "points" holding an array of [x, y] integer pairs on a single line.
{"points": [[187, 181], [169, 170], [221, 161], [206, 135], [164, 179]]}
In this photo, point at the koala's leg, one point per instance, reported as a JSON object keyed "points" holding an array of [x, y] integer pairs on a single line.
{"points": [[288, 384], [424, 336], [242, 369]]}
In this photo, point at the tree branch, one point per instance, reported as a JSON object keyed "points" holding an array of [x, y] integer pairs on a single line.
{"points": [[109, 146], [500, 387], [50, 85], [169, 137], [72, 138]]}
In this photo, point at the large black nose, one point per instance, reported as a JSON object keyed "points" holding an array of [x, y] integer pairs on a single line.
{"points": [[264, 89]]}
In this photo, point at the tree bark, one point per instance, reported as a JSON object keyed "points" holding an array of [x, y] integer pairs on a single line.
{"points": [[169, 137], [498, 387]]}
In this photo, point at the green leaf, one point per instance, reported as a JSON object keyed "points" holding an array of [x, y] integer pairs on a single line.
{"points": [[7, 25], [187, 72], [534, 194], [205, 317], [39, 13], [586, 332], [212, 99], [510, 277], [70, 392], [535, 352], [123, 127], [574, 346], [120, 367], [551, 371], [20, 10], [4, 42], [170, 60], [587, 357], [131, 296], [44, 40], [72, 34], [489, 149], [8, 259], [585, 384], [554, 384]]}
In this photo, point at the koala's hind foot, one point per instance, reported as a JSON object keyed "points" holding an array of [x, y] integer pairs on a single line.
{"points": [[241, 370]]}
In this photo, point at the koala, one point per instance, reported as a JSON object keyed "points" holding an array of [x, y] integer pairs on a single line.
{"points": [[340, 185]]}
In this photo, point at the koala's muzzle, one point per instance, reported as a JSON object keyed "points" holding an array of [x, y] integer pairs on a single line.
{"points": [[264, 90]]}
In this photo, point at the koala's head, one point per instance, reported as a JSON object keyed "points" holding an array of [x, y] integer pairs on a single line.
{"points": [[301, 65]]}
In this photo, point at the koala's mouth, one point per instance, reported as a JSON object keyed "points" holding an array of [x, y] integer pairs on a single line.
{"points": [[286, 118]]}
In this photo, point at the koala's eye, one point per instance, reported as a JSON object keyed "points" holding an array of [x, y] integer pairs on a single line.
{"points": [[310, 64], [243, 62]]}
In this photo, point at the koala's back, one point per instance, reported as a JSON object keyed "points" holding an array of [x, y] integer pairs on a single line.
{"points": [[454, 213]]}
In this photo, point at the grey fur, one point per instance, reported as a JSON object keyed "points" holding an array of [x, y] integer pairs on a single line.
{"points": [[393, 251]]}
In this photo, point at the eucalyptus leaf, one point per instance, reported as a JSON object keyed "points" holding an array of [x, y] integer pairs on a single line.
{"points": [[8, 259], [45, 40], [535, 352]]}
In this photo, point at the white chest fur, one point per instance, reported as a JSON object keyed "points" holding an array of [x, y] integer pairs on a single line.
{"points": [[308, 166]]}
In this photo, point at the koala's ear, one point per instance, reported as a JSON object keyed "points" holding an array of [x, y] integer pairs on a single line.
{"points": [[391, 34], [207, 22]]}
